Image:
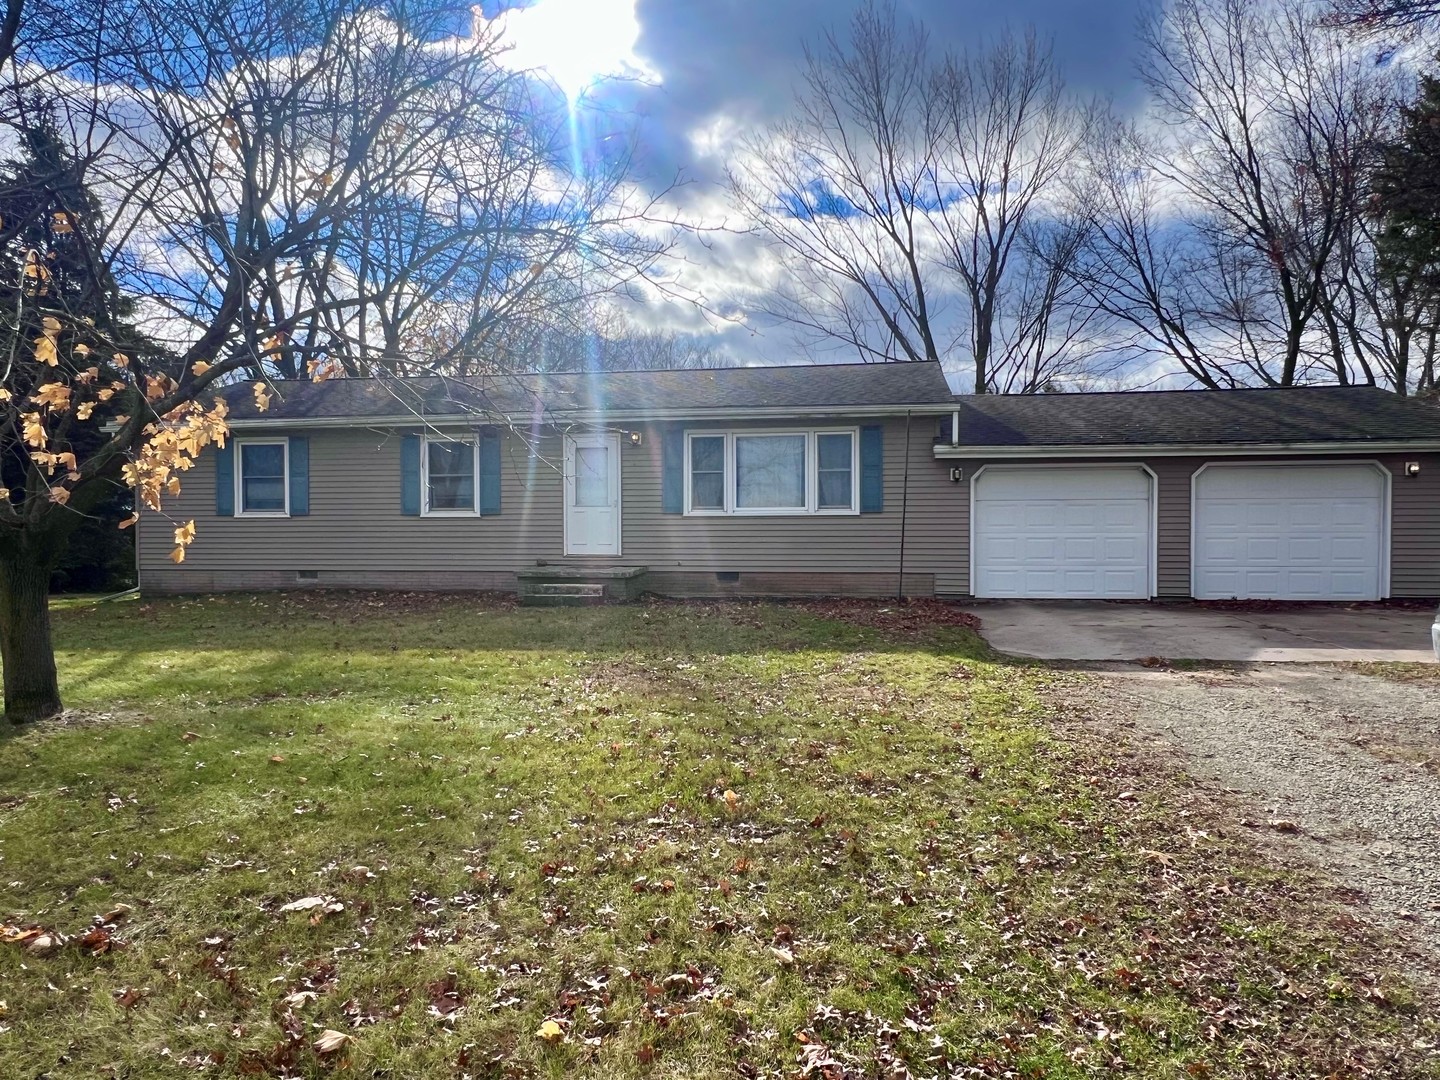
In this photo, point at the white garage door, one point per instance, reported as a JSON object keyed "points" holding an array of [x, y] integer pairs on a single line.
{"points": [[1288, 532], [1056, 533]]}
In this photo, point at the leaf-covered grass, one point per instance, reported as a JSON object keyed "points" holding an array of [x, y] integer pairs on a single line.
{"points": [[697, 840], [1398, 671]]}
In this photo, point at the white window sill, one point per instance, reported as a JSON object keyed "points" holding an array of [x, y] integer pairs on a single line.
{"points": [[770, 513]]}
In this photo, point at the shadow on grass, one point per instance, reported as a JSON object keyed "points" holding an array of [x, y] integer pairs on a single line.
{"points": [[396, 647]]}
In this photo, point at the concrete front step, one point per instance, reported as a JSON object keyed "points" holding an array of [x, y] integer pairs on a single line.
{"points": [[547, 588], [570, 585]]}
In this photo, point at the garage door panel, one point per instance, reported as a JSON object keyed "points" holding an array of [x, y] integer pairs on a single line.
{"points": [[1261, 550], [1353, 513], [1085, 533], [1298, 532]]}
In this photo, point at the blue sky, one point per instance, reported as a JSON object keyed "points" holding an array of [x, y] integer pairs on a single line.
{"points": [[722, 68]]}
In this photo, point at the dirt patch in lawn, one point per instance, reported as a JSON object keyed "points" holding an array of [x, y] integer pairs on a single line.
{"points": [[1327, 766], [910, 618]]}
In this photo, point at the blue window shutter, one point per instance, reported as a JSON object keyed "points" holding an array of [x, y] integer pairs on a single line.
{"points": [[489, 471], [872, 469], [299, 476], [225, 480], [672, 470], [410, 475]]}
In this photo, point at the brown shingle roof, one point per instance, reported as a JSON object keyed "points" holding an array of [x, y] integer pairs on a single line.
{"points": [[729, 390], [1299, 414]]}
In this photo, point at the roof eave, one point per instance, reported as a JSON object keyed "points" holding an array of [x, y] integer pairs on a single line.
{"points": [[583, 416], [949, 451]]}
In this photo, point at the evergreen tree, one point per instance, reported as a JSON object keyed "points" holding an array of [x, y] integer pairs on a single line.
{"points": [[50, 269], [1407, 202]]}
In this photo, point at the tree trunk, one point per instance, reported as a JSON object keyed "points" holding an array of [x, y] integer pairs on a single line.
{"points": [[32, 690]]}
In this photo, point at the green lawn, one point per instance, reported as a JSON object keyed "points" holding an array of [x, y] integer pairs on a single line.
{"points": [[700, 840]]}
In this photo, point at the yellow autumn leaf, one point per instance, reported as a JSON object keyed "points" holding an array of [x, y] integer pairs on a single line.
{"points": [[59, 495], [5, 395], [121, 360], [550, 1031], [262, 397], [199, 367], [45, 350], [185, 534], [50, 325], [33, 430], [53, 395], [82, 349], [131, 520], [177, 556], [84, 409]]}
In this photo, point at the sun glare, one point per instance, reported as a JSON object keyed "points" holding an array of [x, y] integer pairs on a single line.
{"points": [[576, 42]]}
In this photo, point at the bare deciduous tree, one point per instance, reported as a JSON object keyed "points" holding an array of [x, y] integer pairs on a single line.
{"points": [[901, 194], [1384, 18], [283, 185], [1218, 233], [1002, 136]]}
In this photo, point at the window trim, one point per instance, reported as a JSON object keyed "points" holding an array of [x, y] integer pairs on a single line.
{"points": [[240, 444], [812, 473], [425, 508]]}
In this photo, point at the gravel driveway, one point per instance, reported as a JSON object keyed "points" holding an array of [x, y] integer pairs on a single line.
{"points": [[1344, 766]]}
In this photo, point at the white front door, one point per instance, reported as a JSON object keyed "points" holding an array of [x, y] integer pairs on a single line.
{"points": [[1061, 533], [1289, 532], [592, 494]]}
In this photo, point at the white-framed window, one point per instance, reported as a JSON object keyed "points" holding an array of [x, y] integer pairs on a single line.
{"points": [[814, 471], [450, 470], [262, 471]]}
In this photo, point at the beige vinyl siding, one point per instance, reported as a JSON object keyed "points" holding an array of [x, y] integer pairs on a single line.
{"points": [[355, 522], [1415, 520], [356, 535], [1172, 520], [838, 544], [1415, 527]]}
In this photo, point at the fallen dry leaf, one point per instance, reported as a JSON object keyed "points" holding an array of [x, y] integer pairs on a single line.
{"points": [[44, 943], [97, 941], [785, 956], [332, 1042], [190, 736], [551, 1032], [319, 906]]}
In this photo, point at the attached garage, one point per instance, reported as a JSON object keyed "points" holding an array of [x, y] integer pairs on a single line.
{"points": [[1062, 532], [1296, 531]]}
